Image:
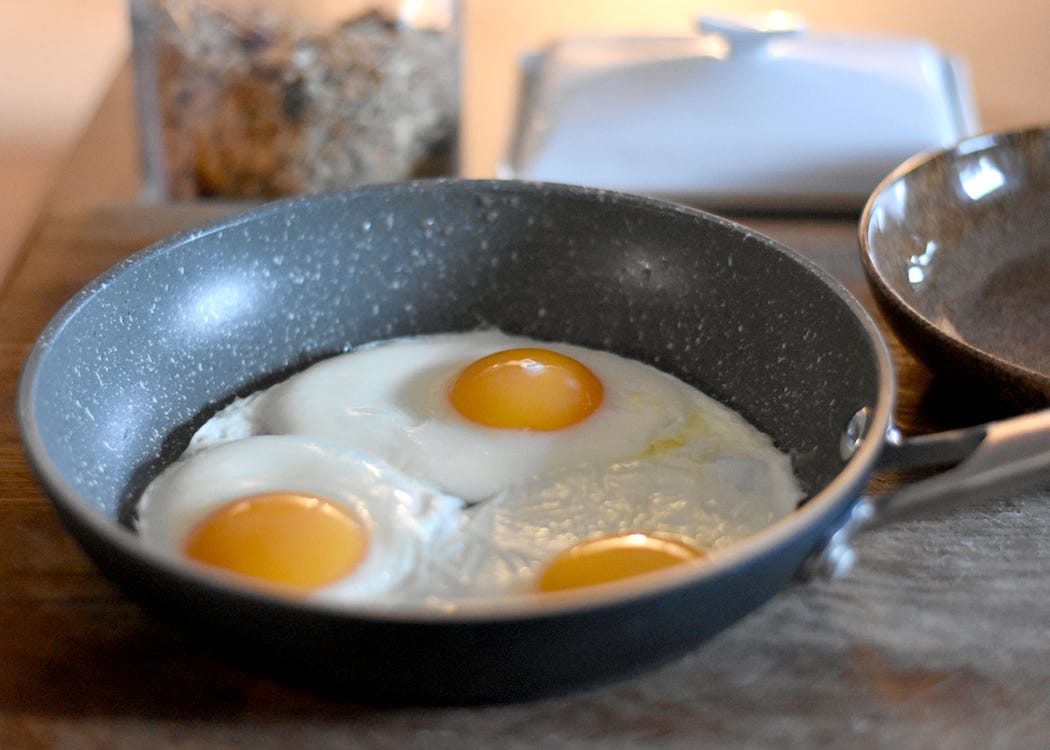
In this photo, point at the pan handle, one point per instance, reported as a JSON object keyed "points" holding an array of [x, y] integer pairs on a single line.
{"points": [[989, 460]]}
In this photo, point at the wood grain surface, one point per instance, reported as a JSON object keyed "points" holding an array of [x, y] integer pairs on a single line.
{"points": [[938, 639]]}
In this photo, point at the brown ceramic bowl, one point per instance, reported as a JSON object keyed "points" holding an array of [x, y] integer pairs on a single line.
{"points": [[956, 247]]}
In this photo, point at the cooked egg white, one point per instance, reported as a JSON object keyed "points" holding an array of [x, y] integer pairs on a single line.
{"points": [[403, 520], [454, 508], [718, 481], [391, 400]]}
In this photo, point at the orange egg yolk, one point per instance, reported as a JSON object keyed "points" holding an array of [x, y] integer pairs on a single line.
{"points": [[612, 558], [526, 389], [291, 541]]}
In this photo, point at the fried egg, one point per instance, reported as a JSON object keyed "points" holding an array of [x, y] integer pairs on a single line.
{"points": [[298, 516], [471, 465], [395, 401], [717, 481]]}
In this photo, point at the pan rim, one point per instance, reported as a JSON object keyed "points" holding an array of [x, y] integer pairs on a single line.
{"points": [[830, 501]]}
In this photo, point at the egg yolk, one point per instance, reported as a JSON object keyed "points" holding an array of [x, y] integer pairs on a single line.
{"points": [[526, 389], [612, 558], [295, 542]]}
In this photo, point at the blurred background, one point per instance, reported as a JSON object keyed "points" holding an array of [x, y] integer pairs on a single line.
{"points": [[59, 56]]}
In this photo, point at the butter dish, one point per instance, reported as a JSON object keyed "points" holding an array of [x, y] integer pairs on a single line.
{"points": [[754, 116]]}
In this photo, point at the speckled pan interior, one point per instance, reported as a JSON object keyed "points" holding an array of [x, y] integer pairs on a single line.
{"points": [[147, 352], [957, 248]]}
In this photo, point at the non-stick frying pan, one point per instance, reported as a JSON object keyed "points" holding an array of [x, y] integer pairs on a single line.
{"points": [[145, 353]]}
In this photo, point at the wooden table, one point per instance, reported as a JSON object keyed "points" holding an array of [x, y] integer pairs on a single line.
{"points": [[939, 639]]}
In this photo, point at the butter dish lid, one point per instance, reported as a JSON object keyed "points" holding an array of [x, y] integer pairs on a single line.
{"points": [[741, 115]]}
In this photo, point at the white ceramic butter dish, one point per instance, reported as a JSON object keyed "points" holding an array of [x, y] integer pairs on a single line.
{"points": [[738, 116]]}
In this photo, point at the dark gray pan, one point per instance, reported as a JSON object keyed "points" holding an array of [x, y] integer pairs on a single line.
{"points": [[145, 353]]}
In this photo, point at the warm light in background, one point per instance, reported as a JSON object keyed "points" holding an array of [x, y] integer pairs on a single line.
{"points": [[1002, 42]]}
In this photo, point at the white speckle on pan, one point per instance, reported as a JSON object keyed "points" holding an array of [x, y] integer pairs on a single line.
{"points": [[86, 410]]}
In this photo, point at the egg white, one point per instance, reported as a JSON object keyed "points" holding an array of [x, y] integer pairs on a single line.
{"points": [[716, 482], [458, 510], [405, 519], [391, 400]]}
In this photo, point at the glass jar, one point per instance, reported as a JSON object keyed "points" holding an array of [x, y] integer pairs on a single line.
{"points": [[264, 98]]}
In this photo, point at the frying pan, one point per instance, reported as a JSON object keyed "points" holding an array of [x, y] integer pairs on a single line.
{"points": [[144, 354]]}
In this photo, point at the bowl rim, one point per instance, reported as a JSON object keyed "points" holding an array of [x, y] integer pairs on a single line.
{"points": [[889, 295]]}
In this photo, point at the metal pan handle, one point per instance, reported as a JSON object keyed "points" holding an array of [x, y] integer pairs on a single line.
{"points": [[989, 460]]}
